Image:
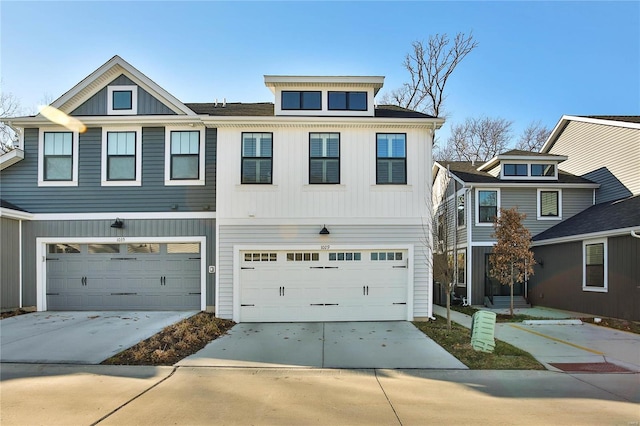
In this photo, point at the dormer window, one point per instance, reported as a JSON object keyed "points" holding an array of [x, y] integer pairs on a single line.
{"points": [[122, 100], [348, 101], [300, 100], [514, 169], [545, 170]]}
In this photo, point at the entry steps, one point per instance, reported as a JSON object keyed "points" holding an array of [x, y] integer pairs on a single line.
{"points": [[504, 302]]}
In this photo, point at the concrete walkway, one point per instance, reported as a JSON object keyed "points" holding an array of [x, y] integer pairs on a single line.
{"points": [[388, 344], [559, 343], [108, 395], [78, 337]]}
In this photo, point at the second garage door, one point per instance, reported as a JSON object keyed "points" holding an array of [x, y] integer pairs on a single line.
{"points": [[345, 285]]}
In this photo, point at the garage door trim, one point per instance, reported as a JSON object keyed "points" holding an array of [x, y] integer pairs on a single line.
{"points": [[41, 252], [319, 247]]}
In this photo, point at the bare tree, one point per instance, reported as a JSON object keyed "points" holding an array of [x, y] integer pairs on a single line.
{"points": [[478, 139], [512, 259], [533, 137], [9, 107], [430, 64]]}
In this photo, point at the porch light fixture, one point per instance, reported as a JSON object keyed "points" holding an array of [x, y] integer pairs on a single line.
{"points": [[118, 224], [324, 230]]}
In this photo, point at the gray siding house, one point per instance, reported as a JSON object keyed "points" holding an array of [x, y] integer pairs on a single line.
{"points": [[590, 263], [307, 208], [531, 182]]}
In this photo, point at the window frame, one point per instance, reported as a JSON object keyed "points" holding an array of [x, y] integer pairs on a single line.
{"points": [[461, 251], [516, 165], [168, 180], [324, 158], [104, 164], [539, 204], [461, 195], [477, 205], [301, 100], [75, 137], [605, 287], [347, 106], [403, 158], [553, 176], [122, 88], [242, 158]]}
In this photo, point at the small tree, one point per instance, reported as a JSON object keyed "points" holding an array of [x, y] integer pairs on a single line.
{"points": [[512, 259]]}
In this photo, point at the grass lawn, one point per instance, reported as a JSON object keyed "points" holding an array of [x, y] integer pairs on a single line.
{"points": [[457, 342]]}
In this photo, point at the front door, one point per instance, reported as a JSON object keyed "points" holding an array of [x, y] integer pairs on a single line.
{"points": [[493, 286]]}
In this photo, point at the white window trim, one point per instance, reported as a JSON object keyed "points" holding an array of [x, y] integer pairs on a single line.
{"points": [[103, 173], [167, 157], [134, 100], [585, 243], [74, 158], [539, 205], [529, 175], [477, 206]]}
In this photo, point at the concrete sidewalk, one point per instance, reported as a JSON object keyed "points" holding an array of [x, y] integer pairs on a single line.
{"points": [[108, 395], [557, 343]]}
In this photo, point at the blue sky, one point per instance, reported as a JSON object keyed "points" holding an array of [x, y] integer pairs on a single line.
{"points": [[535, 60]]}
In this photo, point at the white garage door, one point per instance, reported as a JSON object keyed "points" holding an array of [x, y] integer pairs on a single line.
{"points": [[137, 276], [345, 285]]}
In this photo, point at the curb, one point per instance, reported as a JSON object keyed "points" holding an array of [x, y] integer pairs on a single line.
{"points": [[553, 322]]}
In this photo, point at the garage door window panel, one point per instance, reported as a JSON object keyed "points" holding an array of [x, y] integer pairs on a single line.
{"points": [[103, 248], [64, 248], [143, 248], [185, 248]]}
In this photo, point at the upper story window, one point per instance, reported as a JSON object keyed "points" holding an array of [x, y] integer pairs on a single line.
{"points": [[545, 170], [514, 170], [460, 209], [488, 202], [57, 158], [348, 101], [121, 156], [184, 156], [324, 158], [549, 204], [594, 272], [301, 100], [257, 157], [391, 158], [122, 100]]}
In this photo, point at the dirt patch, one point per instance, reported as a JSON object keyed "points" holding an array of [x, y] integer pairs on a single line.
{"points": [[14, 313], [174, 342], [618, 324]]}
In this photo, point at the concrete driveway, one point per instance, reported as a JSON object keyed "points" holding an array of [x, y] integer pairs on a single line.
{"points": [[78, 337], [390, 344]]}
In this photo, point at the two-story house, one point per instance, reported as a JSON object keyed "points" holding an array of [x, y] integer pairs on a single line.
{"points": [[591, 262], [308, 208], [467, 196]]}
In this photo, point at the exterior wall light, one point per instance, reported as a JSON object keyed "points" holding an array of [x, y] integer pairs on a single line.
{"points": [[118, 224], [324, 230]]}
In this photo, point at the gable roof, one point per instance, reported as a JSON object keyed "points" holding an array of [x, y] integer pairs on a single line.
{"points": [[12, 211], [266, 109], [105, 74], [601, 218], [628, 121], [468, 172], [517, 154]]}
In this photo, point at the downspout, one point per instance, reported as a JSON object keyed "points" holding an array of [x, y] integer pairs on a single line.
{"points": [[467, 203], [20, 305]]}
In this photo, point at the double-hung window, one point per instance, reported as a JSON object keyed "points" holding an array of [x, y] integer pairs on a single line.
{"points": [[549, 204], [121, 156], [302, 100], [257, 157], [594, 276], [391, 158], [461, 267], [57, 158], [348, 101], [324, 158], [184, 156], [488, 204], [460, 209]]}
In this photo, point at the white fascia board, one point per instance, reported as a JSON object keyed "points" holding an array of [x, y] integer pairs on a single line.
{"points": [[10, 158], [451, 174], [283, 81], [100, 120], [131, 72], [579, 237], [291, 121], [550, 184], [124, 215], [15, 214]]}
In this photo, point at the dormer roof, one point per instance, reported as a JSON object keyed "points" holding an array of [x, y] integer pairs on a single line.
{"points": [[519, 155], [344, 82]]}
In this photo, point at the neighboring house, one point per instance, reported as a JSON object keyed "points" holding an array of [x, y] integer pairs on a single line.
{"points": [[529, 181], [310, 208], [591, 262]]}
